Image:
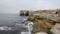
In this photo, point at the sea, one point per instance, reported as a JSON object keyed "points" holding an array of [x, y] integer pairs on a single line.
{"points": [[10, 20]]}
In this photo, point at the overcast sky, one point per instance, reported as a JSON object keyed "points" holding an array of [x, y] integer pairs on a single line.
{"points": [[13, 6]]}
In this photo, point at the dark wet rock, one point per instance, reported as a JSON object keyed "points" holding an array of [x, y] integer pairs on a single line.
{"points": [[24, 13]]}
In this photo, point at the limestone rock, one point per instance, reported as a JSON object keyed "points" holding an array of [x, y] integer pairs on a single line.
{"points": [[44, 20], [41, 33], [48, 14], [56, 29]]}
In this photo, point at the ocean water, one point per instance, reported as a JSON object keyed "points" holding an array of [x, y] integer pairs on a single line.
{"points": [[14, 21], [11, 19]]}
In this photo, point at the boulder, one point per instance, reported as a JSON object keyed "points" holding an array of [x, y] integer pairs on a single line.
{"points": [[56, 29]]}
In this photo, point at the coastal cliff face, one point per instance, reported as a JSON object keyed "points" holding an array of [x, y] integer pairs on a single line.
{"points": [[44, 20]]}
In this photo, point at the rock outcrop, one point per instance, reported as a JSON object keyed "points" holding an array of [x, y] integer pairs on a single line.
{"points": [[44, 20], [24, 13]]}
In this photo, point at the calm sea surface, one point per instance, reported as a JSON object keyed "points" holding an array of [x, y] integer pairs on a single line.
{"points": [[11, 19]]}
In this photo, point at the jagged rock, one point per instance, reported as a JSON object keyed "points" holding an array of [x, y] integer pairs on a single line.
{"points": [[43, 20], [24, 13], [48, 14]]}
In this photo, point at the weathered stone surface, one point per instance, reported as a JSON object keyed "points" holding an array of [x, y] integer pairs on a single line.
{"points": [[41, 25], [56, 29], [41, 33], [44, 20]]}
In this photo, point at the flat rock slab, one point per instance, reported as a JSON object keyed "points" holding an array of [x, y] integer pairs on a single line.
{"points": [[56, 29], [41, 33]]}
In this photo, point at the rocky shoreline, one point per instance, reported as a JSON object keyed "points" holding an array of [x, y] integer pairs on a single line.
{"points": [[44, 21]]}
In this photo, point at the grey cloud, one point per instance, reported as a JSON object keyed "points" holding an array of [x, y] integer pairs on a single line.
{"points": [[8, 6], [13, 6]]}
